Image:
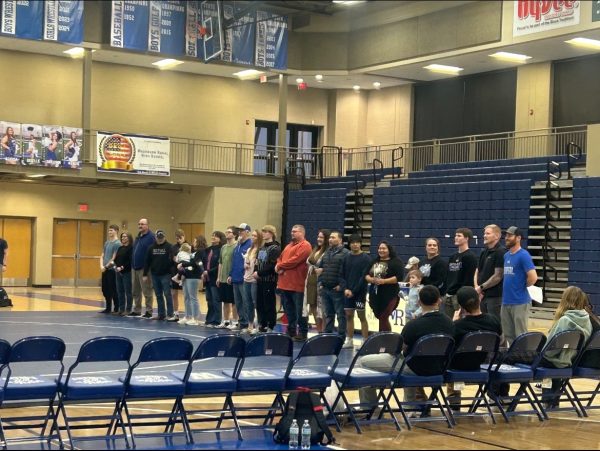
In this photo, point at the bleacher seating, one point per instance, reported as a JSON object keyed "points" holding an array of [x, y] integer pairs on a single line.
{"points": [[530, 176], [406, 215], [584, 257], [521, 168], [317, 209], [501, 162]]}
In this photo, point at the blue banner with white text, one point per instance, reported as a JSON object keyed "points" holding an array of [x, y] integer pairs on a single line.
{"points": [[271, 41], [167, 27], [63, 21], [22, 19], [240, 36], [129, 25]]}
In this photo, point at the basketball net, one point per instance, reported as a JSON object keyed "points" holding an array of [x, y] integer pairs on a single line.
{"points": [[202, 31]]}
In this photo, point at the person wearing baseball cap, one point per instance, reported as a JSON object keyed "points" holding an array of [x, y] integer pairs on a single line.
{"points": [[519, 273], [158, 262], [237, 276]]}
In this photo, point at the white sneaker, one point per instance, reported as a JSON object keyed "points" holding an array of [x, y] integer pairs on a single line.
{"points": [[192, 322], [172, 319], [269, 330], [223, 325], [348, 343], [244, 331], [233, 326], [183, 321], [211, 326]]}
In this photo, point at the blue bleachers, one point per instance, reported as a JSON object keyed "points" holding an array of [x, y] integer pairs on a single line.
{"points": [[535, 176], [502, 162], [485, 170], [584, 256]]}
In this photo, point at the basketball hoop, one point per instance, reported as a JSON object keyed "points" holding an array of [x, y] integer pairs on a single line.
{"points": [[202, 31]]}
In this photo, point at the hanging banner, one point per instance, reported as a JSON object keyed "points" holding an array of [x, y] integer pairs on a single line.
{"points": [[596, 11], [194, 46], [22, 19], [212, 27], [531, 16], [167, 27], [32, 145], [129, 25], [63, 21], [133, 154], [271, 41], [240, 37]]}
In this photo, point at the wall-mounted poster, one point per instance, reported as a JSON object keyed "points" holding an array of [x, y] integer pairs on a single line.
{"points": [[10, 142], [32, 145], [133, 154], [534, 16], [72, 145], [52, 145]]}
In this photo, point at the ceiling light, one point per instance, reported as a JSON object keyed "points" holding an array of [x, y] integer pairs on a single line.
{"points": [[75, 52], [585, 42], [248, 74], [507, 56], [348, 2], [376, 85], [443, 69], [299, 80], [356, 87], [319, 77], [36, 176], [167, 63]]}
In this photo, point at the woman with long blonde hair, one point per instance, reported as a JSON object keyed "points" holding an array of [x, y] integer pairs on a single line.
{"points": [[250, 286]]}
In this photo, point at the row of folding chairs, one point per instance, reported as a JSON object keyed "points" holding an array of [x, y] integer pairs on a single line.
{"points": [[521, 364], [222, 365]]}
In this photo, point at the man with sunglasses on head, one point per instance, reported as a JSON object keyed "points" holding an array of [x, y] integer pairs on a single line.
{"points": [[142, 243]]}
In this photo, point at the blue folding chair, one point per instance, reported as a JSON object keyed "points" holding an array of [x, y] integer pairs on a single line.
{"points": [[569, 340], [465, 368], [355, 376], [98, 387], [314, 365], [4, 353], [143, 384], [204, 376], [587, 366], [32, 387], [515, 367], [432, 351], [264, 356]]}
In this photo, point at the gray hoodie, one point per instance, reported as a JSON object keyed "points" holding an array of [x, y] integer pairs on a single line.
{"points": [[578, 320]]}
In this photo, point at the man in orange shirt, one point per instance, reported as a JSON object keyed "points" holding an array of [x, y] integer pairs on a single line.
{"points": [[292, 269]]}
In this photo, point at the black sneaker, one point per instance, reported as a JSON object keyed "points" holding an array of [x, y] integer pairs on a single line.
{"points": [[147, 315], [104, 311], [158, 318], [132, 314]]}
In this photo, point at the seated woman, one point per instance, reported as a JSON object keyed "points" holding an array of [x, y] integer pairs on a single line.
{"points": [[571, 314]]}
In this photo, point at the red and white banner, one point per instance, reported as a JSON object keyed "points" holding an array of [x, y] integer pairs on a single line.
{"points": [[535, 16]]}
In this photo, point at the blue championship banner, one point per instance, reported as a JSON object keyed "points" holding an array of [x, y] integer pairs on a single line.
{"points": [[271, 41], [63, 21], [129, 25], [22, 19], [193, 40], [167, 27], [239, 38]]}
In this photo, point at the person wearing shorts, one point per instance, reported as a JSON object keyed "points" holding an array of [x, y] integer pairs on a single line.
{"points": [[355, 267]]}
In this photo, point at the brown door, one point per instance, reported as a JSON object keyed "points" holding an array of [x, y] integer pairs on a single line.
{"points": [[192, 230], [76, 251], [17, 233]]}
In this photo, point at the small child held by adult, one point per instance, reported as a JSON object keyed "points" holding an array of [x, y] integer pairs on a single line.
{"points": [[184, 256], [412, 309]]}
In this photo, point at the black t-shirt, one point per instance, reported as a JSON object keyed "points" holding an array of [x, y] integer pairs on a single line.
{"points": [[489, 260], [123, 258], [430, 323], [3, 247], [484, 322], [381, 295], [461, 271], [434, 273]]}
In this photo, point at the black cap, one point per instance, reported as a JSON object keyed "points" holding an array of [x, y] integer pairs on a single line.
{"points": [[514, 230], [160, 234]]}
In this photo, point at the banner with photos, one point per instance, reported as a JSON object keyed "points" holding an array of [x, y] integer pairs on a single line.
{"points": [[53, 146], [133, 154]]}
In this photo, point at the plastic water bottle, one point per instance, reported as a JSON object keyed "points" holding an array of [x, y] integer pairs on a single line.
{"points": [[306, 433], [294, 431]]}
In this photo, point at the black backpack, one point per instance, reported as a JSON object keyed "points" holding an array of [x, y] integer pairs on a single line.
{"points": [[303, 405], [4, 299]]}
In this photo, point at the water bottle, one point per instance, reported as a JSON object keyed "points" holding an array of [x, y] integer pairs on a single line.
{"points": [[294, 430], [306, 433]]}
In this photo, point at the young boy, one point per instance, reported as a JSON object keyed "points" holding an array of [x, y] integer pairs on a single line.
{"points": [[412, 309], [184, 256]]}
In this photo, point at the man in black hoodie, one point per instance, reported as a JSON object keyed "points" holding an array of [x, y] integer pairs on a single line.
{"points": [[267, 279], [158, 261]]}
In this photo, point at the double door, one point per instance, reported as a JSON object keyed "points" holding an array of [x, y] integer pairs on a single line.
{"points": [[17, 232], [76, 252]]}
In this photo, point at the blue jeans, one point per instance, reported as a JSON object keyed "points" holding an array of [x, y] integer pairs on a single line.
{"points": [[238, 297], [162, 290], [124, 292], [333, 304], [190, 295], [214, 313], [250, 292], [292, 304]]}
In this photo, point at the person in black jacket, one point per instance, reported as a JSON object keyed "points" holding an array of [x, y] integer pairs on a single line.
{"points": [[434, 268], [266, 278], [158, 261], [123, 272], [211, 271]]}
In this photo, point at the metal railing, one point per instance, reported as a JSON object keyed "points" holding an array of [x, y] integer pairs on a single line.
{"points": [[333, 161]]}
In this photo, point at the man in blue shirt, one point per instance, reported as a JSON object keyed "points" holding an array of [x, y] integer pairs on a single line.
{"points": [[519, 273]]}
